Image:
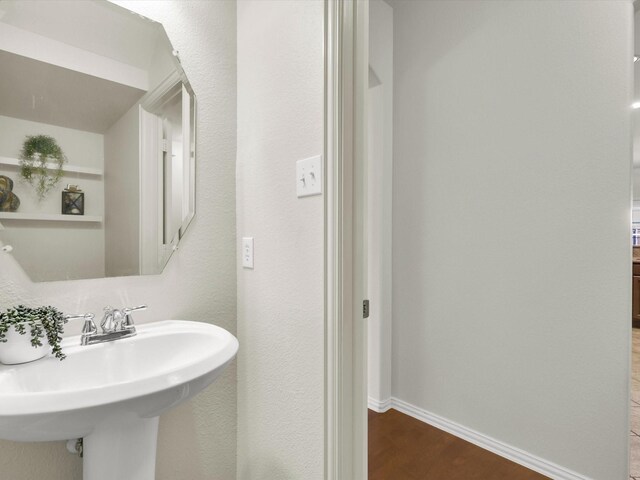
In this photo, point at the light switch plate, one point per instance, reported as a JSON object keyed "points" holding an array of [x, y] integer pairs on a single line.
{"points": [[309, 176], [247, 252]]}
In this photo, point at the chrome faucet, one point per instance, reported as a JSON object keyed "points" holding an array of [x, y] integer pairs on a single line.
{"points": [[111, 320], [115, 324]]}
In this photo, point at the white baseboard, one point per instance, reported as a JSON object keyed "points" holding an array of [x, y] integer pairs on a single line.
{"points": [[379, 406], [516, 455]]}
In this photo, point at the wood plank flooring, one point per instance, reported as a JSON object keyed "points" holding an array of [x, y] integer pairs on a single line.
{"points": [[403, 448], [634, 468]]}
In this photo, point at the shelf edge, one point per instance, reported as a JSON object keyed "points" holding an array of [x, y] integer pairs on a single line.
{"points": [[14, 162]]}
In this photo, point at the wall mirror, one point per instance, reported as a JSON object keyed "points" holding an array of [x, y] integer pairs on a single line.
{"points": [[101, 89]]}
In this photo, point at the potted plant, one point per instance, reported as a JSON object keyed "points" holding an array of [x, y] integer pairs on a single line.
{"points": [[22, 330], [41, 162]]}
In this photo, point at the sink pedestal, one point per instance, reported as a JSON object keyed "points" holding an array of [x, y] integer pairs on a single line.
{"points": [[121, 448]]}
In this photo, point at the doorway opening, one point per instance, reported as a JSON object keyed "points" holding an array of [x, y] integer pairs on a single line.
{"points": [[414, 80]]}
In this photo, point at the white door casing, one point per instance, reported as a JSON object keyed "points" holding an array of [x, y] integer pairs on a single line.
{"points": [[346, 66]]}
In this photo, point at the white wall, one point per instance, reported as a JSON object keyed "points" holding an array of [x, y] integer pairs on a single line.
{"points": [[636, 97], [636, 120], [280, 302], [380, 182], [122, 195], [511, 292], [54, 250], [197, 440]]}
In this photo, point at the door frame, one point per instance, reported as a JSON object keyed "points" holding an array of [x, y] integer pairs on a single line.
{"points": [[346, 70]]}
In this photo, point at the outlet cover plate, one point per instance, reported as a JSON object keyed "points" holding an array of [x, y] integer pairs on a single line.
{"points": [[247, 252]]}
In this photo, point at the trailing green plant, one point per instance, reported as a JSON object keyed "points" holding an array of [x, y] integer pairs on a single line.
{"points": [[41, 163], [41, 322]]}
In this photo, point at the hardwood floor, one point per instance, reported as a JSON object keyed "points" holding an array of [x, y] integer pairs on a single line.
{"points": [[403, 448], [634, 440]]}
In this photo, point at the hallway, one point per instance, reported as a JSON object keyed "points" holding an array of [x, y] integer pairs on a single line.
{"points": [[403, 448]]}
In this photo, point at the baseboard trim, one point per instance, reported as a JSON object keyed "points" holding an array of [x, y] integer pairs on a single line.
{"points": [[379, 406], [516, 455]]}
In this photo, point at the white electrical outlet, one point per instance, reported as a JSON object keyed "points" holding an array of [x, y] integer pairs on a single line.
{"points": [[309, 176], [247, 252]]}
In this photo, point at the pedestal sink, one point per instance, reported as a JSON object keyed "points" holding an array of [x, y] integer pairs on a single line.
{"points": [[111, 394]]}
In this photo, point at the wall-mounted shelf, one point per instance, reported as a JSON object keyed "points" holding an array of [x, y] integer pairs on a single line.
{"points": [[50, 217], [67, 168]]}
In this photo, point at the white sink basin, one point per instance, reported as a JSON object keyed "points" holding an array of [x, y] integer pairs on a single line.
{"points": [[111, 394]]}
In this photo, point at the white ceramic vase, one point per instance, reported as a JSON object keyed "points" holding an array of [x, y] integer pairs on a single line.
{"points": [[18, 348]]}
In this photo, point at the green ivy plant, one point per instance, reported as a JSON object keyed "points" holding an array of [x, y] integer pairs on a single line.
{"points": [[41, 163], [40, 321]]}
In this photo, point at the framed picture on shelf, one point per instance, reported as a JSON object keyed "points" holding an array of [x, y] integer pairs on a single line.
{"points": [[72, 202]]}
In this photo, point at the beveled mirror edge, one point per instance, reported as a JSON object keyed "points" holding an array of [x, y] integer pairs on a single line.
{"points": [[194, 165], [152, 101]]}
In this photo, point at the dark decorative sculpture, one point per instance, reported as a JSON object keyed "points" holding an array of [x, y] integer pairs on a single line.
{"points": [[9, 201]]}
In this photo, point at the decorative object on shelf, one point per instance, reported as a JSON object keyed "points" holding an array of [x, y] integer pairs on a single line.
{"points": [[9, 201], [6, 183], [72, 201], [40, 322], [41, 162]]}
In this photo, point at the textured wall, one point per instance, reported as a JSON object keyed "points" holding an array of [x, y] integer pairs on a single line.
{"points": [[198, 439], [280, 302], [511, 290]]}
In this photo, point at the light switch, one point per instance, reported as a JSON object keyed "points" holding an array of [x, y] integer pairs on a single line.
{"points": [[309, 176], [247, 252]]}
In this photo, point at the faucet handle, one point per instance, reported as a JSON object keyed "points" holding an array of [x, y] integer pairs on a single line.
{"points": [[80, 315], [134, 309], [89, 327], [128, 319]]}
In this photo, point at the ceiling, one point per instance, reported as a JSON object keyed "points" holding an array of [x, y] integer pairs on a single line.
{"points": [[46, 91], [96, 26], [41, 92]]}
